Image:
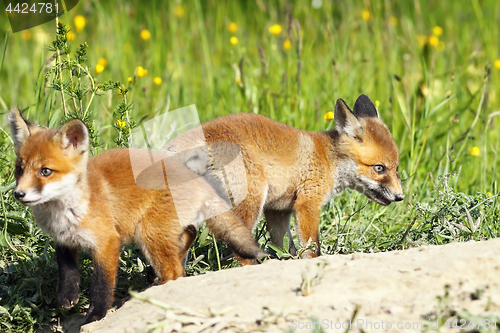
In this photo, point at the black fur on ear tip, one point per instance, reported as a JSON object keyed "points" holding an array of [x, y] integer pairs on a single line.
{"points": [[340, 101], [364, 107]]}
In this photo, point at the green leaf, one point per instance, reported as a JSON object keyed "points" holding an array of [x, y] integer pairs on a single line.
{"points": [[203, 238], [8, 187], [439, 239], [279, 252], [3, 241]]}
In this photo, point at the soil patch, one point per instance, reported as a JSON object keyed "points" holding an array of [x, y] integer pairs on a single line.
{"points": [[382, 291]]}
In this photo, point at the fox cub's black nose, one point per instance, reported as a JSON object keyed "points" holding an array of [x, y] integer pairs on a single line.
{"points": [[19, 194], [399, 197]]}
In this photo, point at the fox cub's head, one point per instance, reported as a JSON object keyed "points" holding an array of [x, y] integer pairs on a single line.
{"points": [[49, 162], [368, 151]]}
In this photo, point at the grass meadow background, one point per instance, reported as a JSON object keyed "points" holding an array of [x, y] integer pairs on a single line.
{"points": [[431, 67]]}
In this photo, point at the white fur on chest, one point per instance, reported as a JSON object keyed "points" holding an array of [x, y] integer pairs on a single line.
{"points": [[61, 219], [344, 176]]}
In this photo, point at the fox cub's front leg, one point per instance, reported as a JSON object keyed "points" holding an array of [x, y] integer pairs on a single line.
{"points": [[69, 279], [103, 284], [306, 212]]}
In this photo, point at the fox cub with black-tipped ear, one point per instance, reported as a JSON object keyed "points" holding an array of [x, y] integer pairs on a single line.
{"points": [[95, 204], [290, 171]]}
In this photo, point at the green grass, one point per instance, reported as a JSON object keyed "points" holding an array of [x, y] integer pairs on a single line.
{"points": [[439, 102]]}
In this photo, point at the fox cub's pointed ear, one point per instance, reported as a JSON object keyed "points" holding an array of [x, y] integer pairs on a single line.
{"points": [[20, 128], [345, 121], [74, 135], [364, 107]]}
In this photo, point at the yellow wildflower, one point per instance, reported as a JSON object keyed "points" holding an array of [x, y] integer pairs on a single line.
{"points": [[433, 41], [232, 27], [79, 22], [238, 80], [71, 36], [366, 15], [275, 29], [424, 89], [102, 61], [179, 11], [99, 68], [26, 35], [489, 194], [141, 72], [233, 40], [377, 103], [474, 151], [287, 44], [130, 79], [497, 64], [329, 115], [120, 123], [157, 80], [145, 34], [393, 21], [437, 30]]}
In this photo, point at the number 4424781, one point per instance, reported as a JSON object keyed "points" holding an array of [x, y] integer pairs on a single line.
{"points": [[39, 8], [463, 324]]}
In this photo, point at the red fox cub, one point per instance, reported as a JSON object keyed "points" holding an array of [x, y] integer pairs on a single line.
{"points": [[294, 171], [94, 204]]}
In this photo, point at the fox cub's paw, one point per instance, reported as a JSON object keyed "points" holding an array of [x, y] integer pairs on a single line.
{"points": [[95, 313], [68, 296]]}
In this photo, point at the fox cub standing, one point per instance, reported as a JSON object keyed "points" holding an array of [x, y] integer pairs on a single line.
{"points": [[95, 204], [293, 171]]}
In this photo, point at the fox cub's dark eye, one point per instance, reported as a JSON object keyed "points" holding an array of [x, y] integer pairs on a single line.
{"points": [[379, 169], [46, 172], [19, 170]]}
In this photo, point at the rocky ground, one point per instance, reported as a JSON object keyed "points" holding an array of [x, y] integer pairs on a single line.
{"points": [[380, 292]]}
